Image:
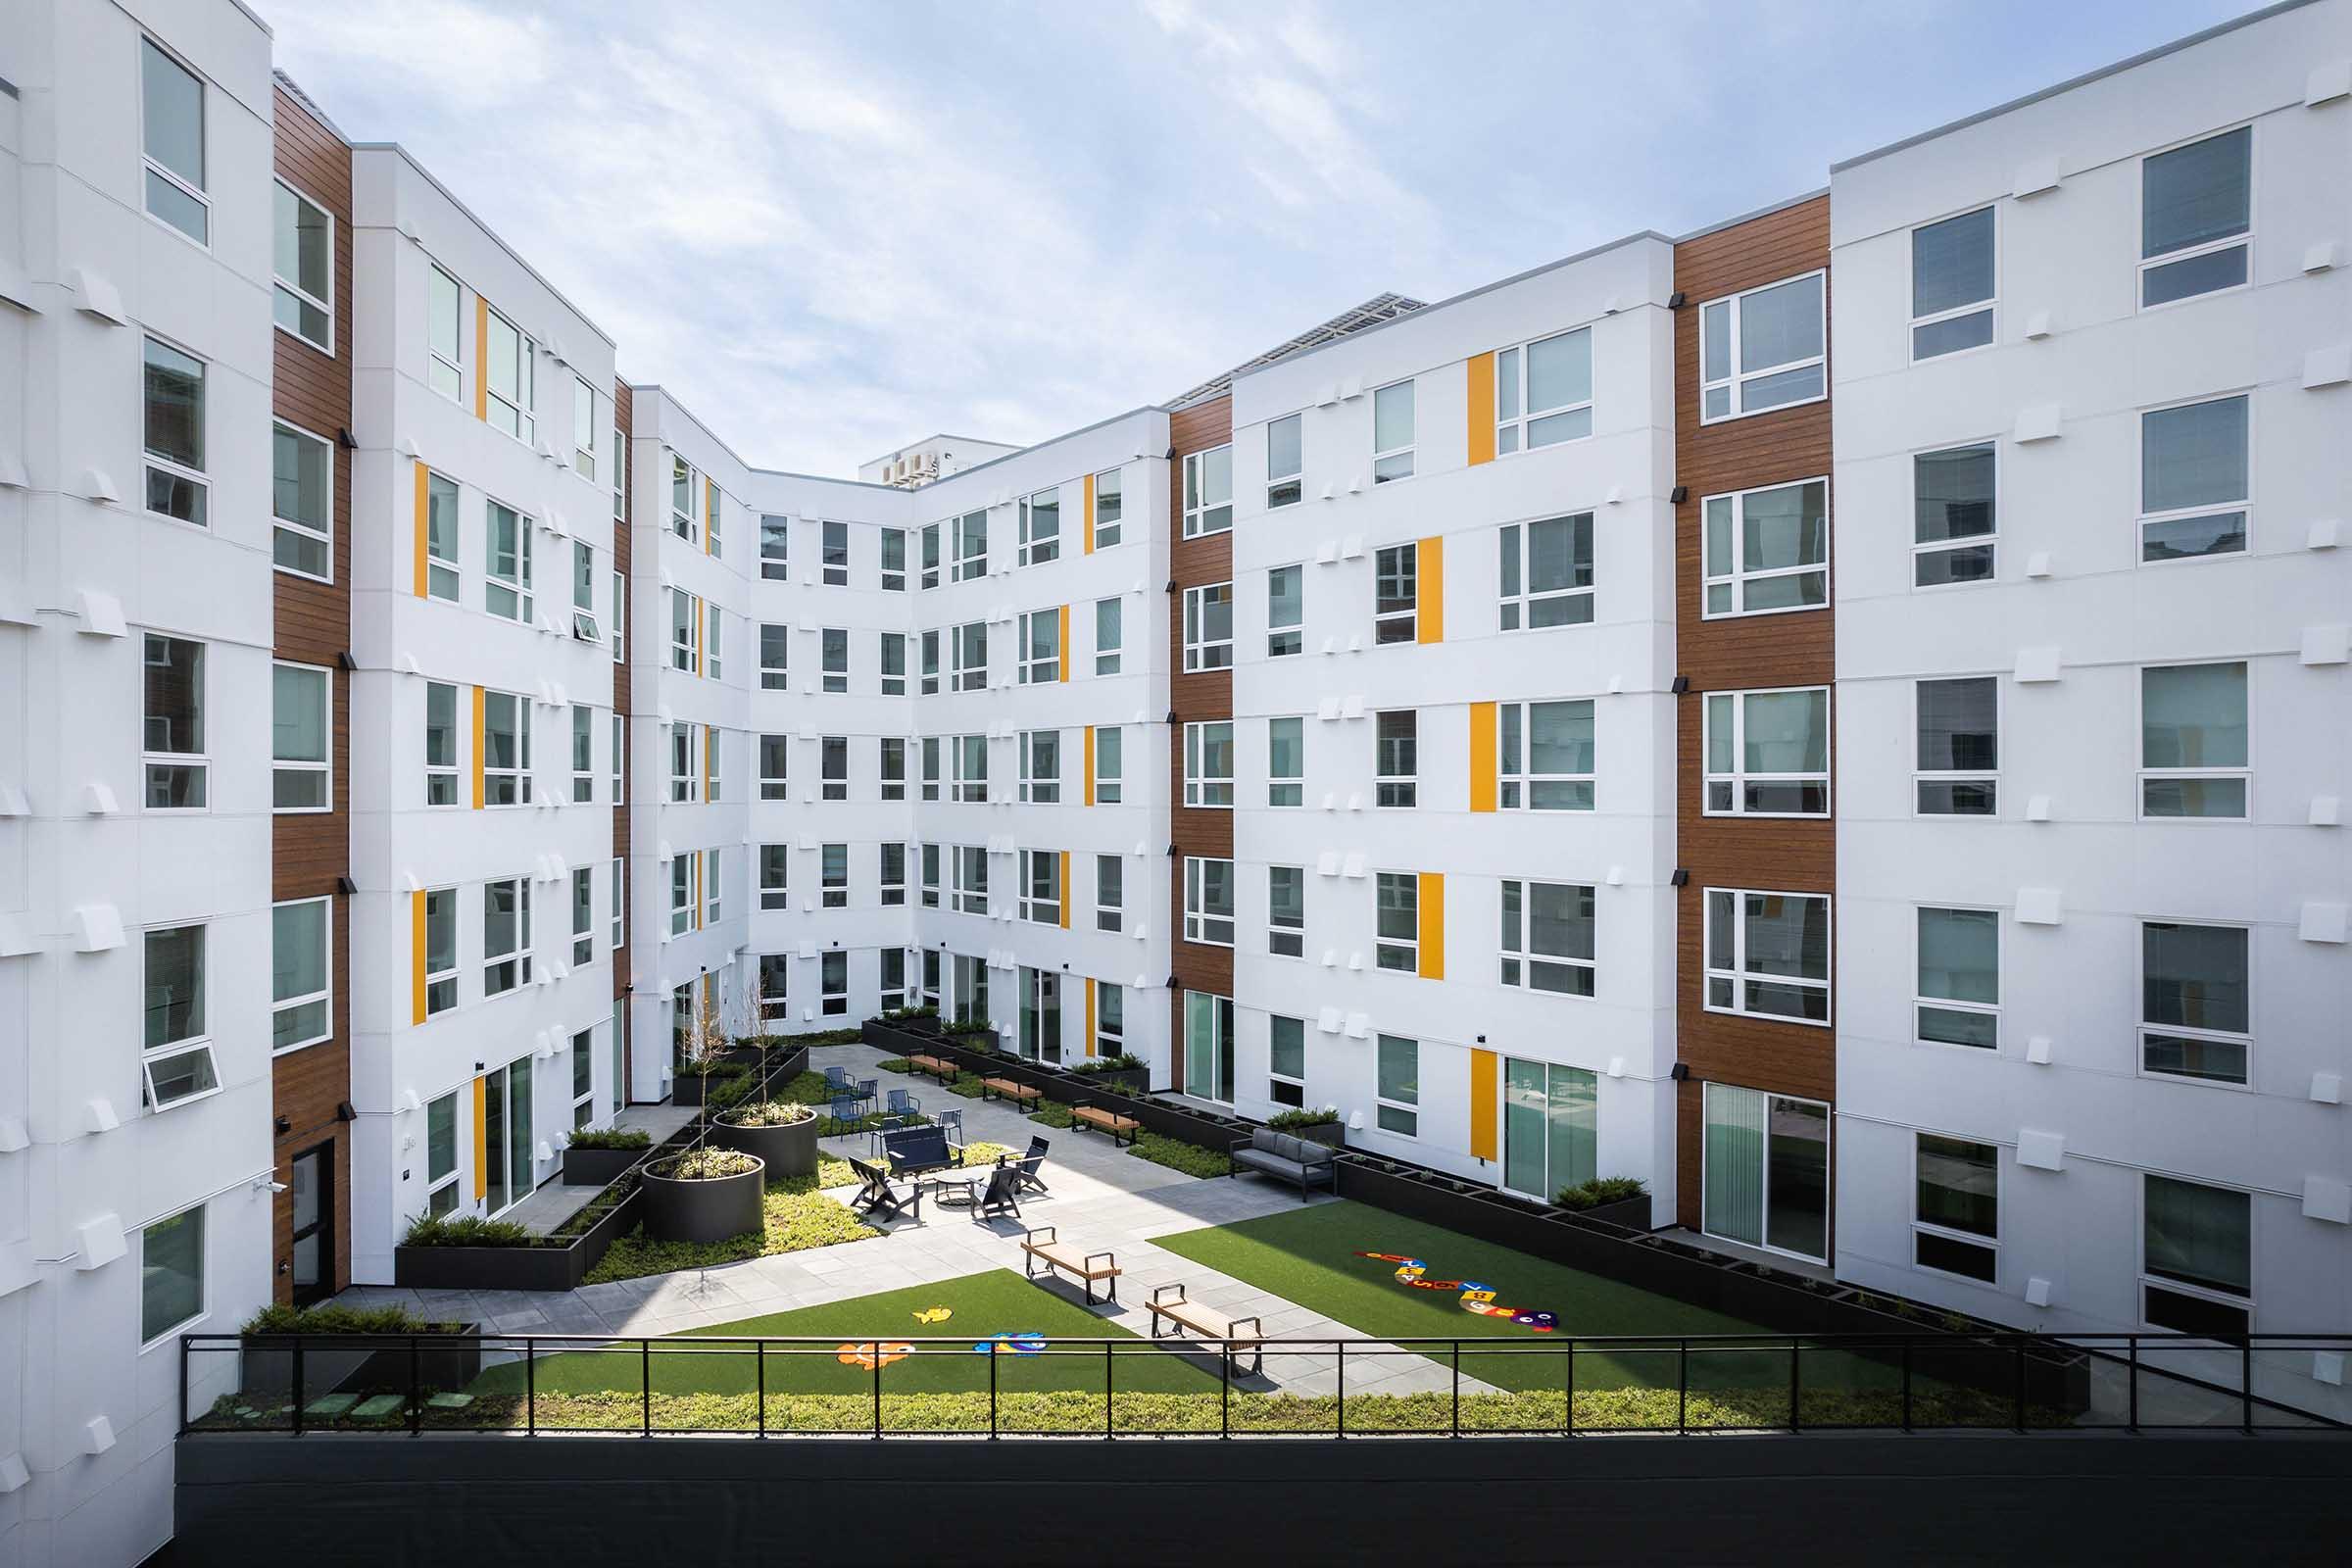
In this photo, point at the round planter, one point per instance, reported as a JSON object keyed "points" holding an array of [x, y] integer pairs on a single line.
{"points": [[701, 1211], [787, 1151]]}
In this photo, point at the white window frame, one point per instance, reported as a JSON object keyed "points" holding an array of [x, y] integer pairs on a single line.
{"points": [[204, 1269], [1201, 651], [520, 775], [197, 762], [1110, 784], [970, 674], [1282, 1088], [713, 901], [1110, 1019], [2142, 1028], [892, 889], [966, 784], [1397, 791], [931, 766], [1990, 777], [516, 585], [1035, 548], [620, 616], [446, 571], [1111, 489], [2245, 236], [1036, 908], [1201, 517], [1110, 916], [1515, 789], [435, 361], [1285, 791], [2146, 776], [1386, 947], [833, 767], [774, 892], [892, 780], [583, 754], [685, 639], [621, 734], [451, 770], [1037, 671], [150, 164], [583, 915], [193, 473], [685, 766], [1515, 612], [775, 565], [1285, 941], [521, 399], [833, 553], [1921, 1001], [583, 593], [927, 871], [1409, 617], [1108, 656], [681, 893], [969, 565], [1203, 790], [324, 767], [833, 984], [1739, 373], [1736, 781], [518, 955], [1989, 305], [927, 662], [1391, 464], [583, 427], [620, 911], [1409, 1110], [1288, 638], [685, 522], [1992, 541], [1739, 577], [1737, 973], [833, 876], [776, 675], [971, 891], [437, 1183], [199, 1044], [1202, 924], [1990, 1246], [833, 675], [893, 578], [324, 996], [1038, 788], [1512, 433], [2150, 1279], [279, 522], [1289, 487], [1519, 955], [441, 985], [2244, 504]]}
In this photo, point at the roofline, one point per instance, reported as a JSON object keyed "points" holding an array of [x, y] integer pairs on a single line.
{"points": [[310, 105], [495, 237], [942, 435], [2088, 76], [1066, 436], [1362, 333], [1749, 218]]}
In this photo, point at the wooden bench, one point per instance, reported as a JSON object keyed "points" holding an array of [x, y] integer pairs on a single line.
{"points": [[1209, 1324], [1022, 1095], [938, 1067], [1043, 1245], [1122, 1129]]}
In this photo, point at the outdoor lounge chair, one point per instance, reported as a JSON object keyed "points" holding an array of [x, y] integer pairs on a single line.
{"points": [[914, 1150], [877, 1200], [998, 1197], [1025, 1169]]}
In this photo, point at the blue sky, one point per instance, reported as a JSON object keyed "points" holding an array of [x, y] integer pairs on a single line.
{"points": [[834, 228]]}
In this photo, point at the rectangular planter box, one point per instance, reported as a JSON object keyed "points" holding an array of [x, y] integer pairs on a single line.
{"points": [[549, 1267], [688, 1089], [598, 1167], [1117, 1080], [358, 1363]]}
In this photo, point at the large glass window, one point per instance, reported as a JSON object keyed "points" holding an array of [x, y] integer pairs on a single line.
{"points": [[1041, 647], [970, 754], [1397, 758], [1208, 1047], [444, 335], [1768, 752], [2193, 480], [775, 657], [509, 371], [1768, 955], [1767, 1171], [506, 934], [441, 537], [972, 547], [303, 259], [508, 592], [972, 879], [1208, 764], [1110, 765], [1110, 508], [835, 546], [442, 1194], [440, 743], [1550, 1128], [440, 950], [833, 984], [583, 916], [302, 502], [1208, 492], [894, 561], [172, 135], [1285, 461], [1040, 527], [1767, 550], [833, 767], [170, 1273], [775, 548], [1952, 284], [1285, 761], [1040, 766], [1545, 755], [1209, 628], [1109, 637], [1396, 593], [2196, 1257], [1285, 612], [1286, 910], [833, 876], [1764, 349], [1392, 432], [2195, 1000], [1396, 920], [506, 762], [1959, 998], [892, 876], [1396, 1090], [505, 1135], [1544, 392], [2196, 217], [1285, 1060], [833, 652], [1111, 892], [178, 1056], [1952, 517], [1957, 1208], [890, 767], [1209, 902], [171, 729], [1547, 931], [1958, 739], [775, 768], [1547, 570], [775, 877], [971, 653], [583, 429], [1040, 886], [301, 985], [302, 716], [174, 408], [2192, 740], [583, 592]]}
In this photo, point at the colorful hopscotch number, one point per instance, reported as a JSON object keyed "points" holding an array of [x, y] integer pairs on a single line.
{"points": [[1475, 1296], [1011, 1345], [934, 1314], [873, 1354]]}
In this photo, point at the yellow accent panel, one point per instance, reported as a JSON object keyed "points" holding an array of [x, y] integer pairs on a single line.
{"points": [[1065, 890], [417, 954], [1090, 550], [481, 363], [1433, 925], [1090, 996], [1065, 643], [481, 1137], [1482, 407], [424, 509], [1429, 613], [1482, 757], [1485, 1101], [1090, 765], [481, 738]]}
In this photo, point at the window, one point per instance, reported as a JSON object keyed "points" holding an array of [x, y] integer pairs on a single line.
{"points": [[1040, 527], [506, 934], [509, 367], [833, 767], [440, 950], [506, 761], [1959, 735], [583, 754], [1041, 647], [302, 716], [972, 547], [1209, 628], [1396, 1092], [620, 508], [1285, 612], [681, 498], [583, 593], [508, 592], [1396, 593], [931, 978], [894, 561], [1285, 461], [2195, 217], [930, 656], [930, 555], [833, 984], [1110, 1019], [621, 732], [713, 887], [1545, 756], [171, 732], [1040, 886], [1396, 912], [1768, 955], [1040, 766], [2195, 1001], [174, 390], [1768, 752], [170, 1261], [1544, 393], [1392, 432], [583, 428], [1956, 1208], [1110, 508], [775, 877], [775, 657], [1959, 998], [2193, 480], [972, 879], [1209, 902], [685, 778], [1395, 757], [2196, 1257], [1765, 1164], [621, 905], [177, 1060], [584, 1078], [970, 654], [1767, 550], [1208, 1047], [1952, 517], [1286, 910], [1548, 930], [444, 338], [890, 767], [776, 546], [1109, 782], [1208, 492], [833, 866], [834, 642], [441, 537], [1547, 574], [302, 502], [440, 743], [620, 605], [1111, 892], [1285, 761], [836, 558], [685, 631], [301, 979], [970, 783], [2192, 741], [1762, 350], [930, 876], [583, 916], [171, 136], [1110, 636], [775, 783], [1952, 284], [441, 1195], [896, 992], [1551, 1127], [1208, 764], [1285, 1060], [894, 874], [930, 768]]}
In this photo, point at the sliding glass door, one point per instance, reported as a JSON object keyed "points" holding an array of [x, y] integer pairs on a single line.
{"points": [[507, 1178], [1208, 1047], [1550, 1123], [1767, 1177], [1041, 1015]]}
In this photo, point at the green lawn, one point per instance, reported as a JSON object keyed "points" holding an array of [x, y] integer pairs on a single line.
{"points": [[994, 1301]]}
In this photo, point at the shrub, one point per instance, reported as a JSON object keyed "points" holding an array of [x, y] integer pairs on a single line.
{"points": [[466, 1230], [609, 1138], [712, 1068], [965, 1084], [968, 1026], [1598, 1191], [728, 1092], [770, 1113], [901, 1015], [1052, 1113], [328, 1319], [1122, 1062], [707, 1165], [795, 1217], [895, 1065], [1176, 1154], [1303, 1116]]}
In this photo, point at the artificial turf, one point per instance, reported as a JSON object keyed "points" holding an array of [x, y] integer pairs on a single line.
{"points": [[991, 1303]]}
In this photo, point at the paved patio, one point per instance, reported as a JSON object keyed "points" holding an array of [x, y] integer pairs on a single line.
{"points": [[1100, 1196]]}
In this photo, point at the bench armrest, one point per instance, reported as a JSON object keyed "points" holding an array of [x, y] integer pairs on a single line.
{"points": [[1109, 1257], [1257, 1328], [1160, 1293], [1039, 1236]]}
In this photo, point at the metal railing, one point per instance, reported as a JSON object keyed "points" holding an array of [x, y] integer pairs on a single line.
{"points": [[532, 1385]]}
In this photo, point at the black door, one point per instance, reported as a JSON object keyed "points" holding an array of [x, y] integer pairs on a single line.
{"points": [[313, 1224]]}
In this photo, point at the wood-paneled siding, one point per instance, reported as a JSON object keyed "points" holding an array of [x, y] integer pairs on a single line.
{"points": [[1740, 653], [311, 853], [1195, 698], [623, 414]]}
